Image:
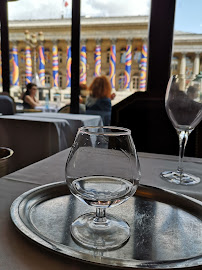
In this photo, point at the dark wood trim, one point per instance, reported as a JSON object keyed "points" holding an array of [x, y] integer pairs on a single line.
{"points": [[75, 47], [160, 45], [5, 46]]}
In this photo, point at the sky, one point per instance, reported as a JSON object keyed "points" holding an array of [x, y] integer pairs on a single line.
{"points": [[188, 16]]}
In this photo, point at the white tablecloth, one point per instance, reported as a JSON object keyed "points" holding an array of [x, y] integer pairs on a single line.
{"points": [[74, 121], [34, 136], [16, 252]]}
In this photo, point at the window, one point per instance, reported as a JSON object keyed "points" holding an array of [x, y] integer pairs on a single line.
{"points": [[135, 81], [174, 64], [108, 55], [59, 55], [22, 56], [123, 55], [107, 74], [121, 80], [137, 55], [60, 80], [47, 55], [189, 67], [23, 80], [47, 80]]}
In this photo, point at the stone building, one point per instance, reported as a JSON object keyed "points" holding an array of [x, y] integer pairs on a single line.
{"points": [[95, 32]]}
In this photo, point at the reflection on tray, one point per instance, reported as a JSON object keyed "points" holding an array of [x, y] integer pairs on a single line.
{"points": [[159, 231]]}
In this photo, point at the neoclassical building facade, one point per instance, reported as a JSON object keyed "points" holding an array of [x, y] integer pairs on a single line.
{"points": [[111, 46]]}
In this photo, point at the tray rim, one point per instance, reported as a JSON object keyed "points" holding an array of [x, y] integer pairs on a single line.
{"points": [[104, 261]]}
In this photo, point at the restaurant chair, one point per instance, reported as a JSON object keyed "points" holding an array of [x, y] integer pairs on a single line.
{"points": [[152, 131], [7, 105], [64, 109]]}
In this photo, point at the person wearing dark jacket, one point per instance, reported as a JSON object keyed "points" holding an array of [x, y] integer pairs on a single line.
{"points": [[99, 100]]}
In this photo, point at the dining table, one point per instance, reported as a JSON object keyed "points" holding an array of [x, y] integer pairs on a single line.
{"points": [[34, 136], [18, 252], [74, 121]]}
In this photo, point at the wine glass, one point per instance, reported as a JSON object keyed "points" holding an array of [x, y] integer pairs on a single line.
{"points": [[183, 105], [102, 170]]}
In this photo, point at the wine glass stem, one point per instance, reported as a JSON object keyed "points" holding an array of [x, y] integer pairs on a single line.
{"points": [[100, 215], [183, 138]]}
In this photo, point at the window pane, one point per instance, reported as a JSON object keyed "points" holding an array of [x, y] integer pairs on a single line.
{"points": [[187, 49], [115, 37], [113, 34], [46, 59]]}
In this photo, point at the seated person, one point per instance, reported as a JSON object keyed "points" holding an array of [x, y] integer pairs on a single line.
{"points": [[99, 100], [193, 92], [29, 100]]}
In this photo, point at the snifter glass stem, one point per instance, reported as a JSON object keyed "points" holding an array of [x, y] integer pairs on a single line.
{"points": [[183, 138], [100, 215], [179, 176]]}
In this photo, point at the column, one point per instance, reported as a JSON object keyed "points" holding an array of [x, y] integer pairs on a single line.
{"points": [[112, 64], [183, 65], [97, 59], [143, 65], [68, 67], [83, 63], [182, 71], [55, 64], [28, 64], [196, 68], [15, 66], [41, 65], [128, 62]]}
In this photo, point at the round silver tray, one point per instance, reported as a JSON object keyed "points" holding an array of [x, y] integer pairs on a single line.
{"points": [[166, 227]]}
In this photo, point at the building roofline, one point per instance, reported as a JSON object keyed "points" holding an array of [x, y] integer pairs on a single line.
{"points": [[84, 21]]}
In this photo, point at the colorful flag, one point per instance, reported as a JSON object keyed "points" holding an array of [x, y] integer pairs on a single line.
{"points": [[15, 66], [128, 62], [65, 3], [11, 66], [143, 66], [83, 65], [112, 66], [28, 61], [97, 58], [68, 67], [55, 66], [41, 65]]}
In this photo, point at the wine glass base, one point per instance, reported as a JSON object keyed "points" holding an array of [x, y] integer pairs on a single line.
{"points": [[184, 179], [109, 234]]}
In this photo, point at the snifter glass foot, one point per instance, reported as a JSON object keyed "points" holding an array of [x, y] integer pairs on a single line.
{"points": [[106, 234], [180, 179]]}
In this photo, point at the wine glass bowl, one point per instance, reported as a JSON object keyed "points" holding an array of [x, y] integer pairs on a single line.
{"points": [[103, 171], [183, 103]]}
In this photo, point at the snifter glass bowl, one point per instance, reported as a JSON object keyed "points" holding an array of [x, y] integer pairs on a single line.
{"points": [[102, 170]]}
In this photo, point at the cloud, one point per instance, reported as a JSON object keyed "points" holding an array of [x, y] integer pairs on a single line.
{"points": [[115, 8], [37, 9]]}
